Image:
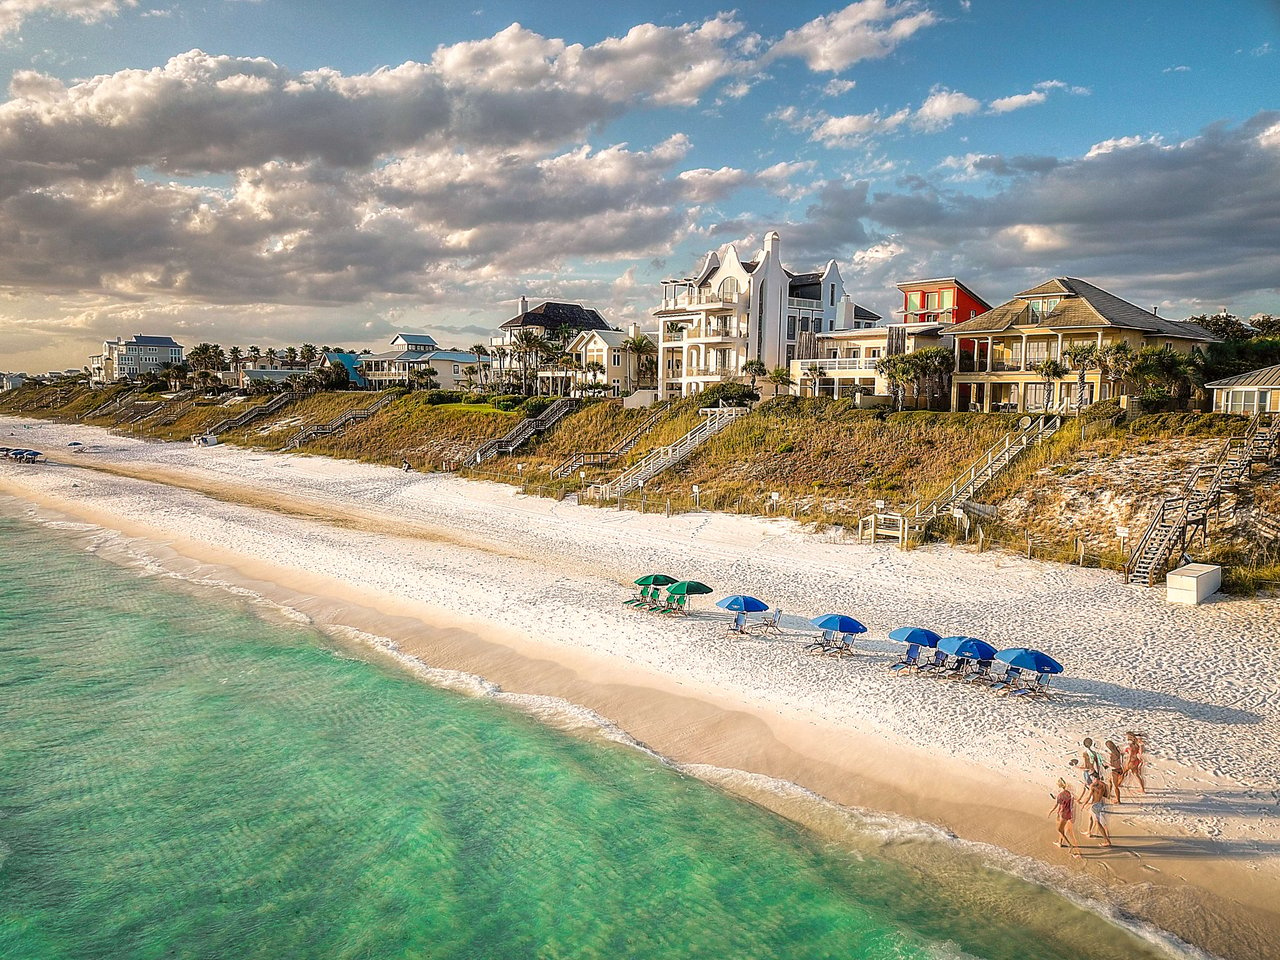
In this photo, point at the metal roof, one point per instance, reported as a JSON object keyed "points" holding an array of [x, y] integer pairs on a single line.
{"points": [[1266, 377]]}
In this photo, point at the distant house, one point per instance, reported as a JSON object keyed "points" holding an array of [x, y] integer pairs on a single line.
{"points": [[349, 361], [12, 381], [128, 359], [396, 367], [1255, 392], [996, 352], [550, 318], [605, 347]]}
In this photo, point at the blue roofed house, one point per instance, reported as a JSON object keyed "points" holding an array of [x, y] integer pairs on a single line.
{"points": [[350, 362], [413, 352]]}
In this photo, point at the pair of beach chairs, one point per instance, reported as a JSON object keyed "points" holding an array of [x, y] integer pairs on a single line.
{"points": [[1013, 682], [831, 643], [764, 626], [652, 600]]}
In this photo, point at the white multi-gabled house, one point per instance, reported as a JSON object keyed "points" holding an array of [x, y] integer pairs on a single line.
{"points": [[734, 310]]}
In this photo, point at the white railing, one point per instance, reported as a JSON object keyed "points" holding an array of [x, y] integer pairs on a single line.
{"points": [[713, 372], [656, 461], [802, 304], [841, 363], [694, 300]]}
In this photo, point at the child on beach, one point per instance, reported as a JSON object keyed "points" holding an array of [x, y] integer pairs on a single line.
{"points": [[1064, 807]]}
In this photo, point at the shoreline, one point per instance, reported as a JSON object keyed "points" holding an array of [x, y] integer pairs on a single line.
{"points": [[654, 697]]}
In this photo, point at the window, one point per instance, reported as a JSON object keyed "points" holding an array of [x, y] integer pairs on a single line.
{"points": [[617, 358], [913, 301], [1040, 309], [455, 370], [931, 301], [833, 295], [791, 328], [804, 324], [948, 299], [729, 288]]}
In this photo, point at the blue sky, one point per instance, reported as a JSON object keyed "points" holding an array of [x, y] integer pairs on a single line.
{"points": [[275, 171]]}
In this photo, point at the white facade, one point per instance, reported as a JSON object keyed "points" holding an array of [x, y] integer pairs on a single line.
{"points": [[733, 311], [134, 357], [605, 347]]}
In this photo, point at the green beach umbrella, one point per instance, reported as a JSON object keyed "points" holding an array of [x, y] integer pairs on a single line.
{"points": [[655, 580], [688, 588]]}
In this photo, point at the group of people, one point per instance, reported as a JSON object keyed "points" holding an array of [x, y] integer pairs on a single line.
{"points": [[1105, 774]]}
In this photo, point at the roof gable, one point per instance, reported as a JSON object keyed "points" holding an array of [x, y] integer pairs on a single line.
{"points": [[553, 314]]}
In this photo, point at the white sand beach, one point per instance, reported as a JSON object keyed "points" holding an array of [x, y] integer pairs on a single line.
{"points": [[539, 584]]}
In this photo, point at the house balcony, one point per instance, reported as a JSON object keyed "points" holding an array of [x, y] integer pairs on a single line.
{"points": [[835, 364], [800, 304], [713, 333], [701, 302], [699, 372]]}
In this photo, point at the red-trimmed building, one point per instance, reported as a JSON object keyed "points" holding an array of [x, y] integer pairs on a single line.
{"points": [[941, 300]]}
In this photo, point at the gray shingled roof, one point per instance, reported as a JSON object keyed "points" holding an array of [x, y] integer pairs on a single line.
{"points": [[552, 315], [1082, 305], [1266, 377]]}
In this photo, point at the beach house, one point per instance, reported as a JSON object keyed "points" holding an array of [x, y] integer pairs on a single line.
{"points": [[349, 362], [412, 357], [606, 360], [127, 359], [845, 362], [998, 352], [1257, 391], [732, 311]]}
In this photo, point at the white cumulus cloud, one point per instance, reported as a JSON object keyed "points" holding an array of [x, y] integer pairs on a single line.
{"points": [[867, 30], [14, 12]]}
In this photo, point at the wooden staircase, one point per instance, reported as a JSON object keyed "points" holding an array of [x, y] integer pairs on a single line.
{"points": [[576, 461], [113, 404], [965, 488], [523, 431], [253, 413], [337, 424], [1176, 520], [714, 419]]}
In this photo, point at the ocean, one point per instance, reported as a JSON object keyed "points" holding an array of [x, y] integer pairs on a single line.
{"points": [[189, 774]]}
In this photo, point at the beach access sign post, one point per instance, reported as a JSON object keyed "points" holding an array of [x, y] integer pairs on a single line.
{"points": [[1123, 534]]}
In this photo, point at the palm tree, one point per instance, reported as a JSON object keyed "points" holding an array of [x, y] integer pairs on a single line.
{"points": [[638, 347], [895, 371], [1050, 370], [470, 371], [255, 353], [755, 369], [291, 354], [235, 357], [423, 378], [526, 345], [780, 378], [814, 372], [1115, 361], [1084, 357], [271, 355], [480, 350], [597, 370], [308, 354]]}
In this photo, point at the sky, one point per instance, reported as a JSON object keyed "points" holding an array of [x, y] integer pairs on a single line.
{"points": [[274, 171]]}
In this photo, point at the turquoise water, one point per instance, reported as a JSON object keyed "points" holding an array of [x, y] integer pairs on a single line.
{"points": [[182, 778]]}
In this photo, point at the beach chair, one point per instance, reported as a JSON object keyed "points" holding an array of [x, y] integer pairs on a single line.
{"points": [[842, 646], [769, 624], [980, 672], [959, 666], [678, 606], [643, 598], [1036, 687], [739, 624], [937, 663], [909, 661], [1008, 682], [826, 639]]}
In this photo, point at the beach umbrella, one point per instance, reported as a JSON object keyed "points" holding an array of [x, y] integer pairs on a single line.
{"points": [[75, 443], [968, 647], [925, 638], [655, 580], [688, 588], [838, 623], [1027, 659], [742, 604]]}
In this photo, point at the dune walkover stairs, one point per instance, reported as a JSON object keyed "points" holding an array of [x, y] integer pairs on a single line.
{"points": [[1176, 519], [337, 424], [714, 419], [115, 403], [520, 434], [253, 413], [1031, 432], [624, 446]]}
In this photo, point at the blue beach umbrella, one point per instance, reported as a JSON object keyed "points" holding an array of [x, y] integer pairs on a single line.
{"points": [[838, 623], [969, 647], [1027, 659], [742, 604], [925, 638], [75, 443]]}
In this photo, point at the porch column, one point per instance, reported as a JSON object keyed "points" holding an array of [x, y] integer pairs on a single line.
{"points": [[1022, 360], [990, 352]]}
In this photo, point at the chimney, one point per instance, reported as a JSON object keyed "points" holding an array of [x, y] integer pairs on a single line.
{"points": [[1156, 310], [524, 306]]}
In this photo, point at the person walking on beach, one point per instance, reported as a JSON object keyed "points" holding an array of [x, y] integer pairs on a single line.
{"points": [[1090, 761], [1064, 807], [1094, 796], [1135, 761], [1115, 764]]}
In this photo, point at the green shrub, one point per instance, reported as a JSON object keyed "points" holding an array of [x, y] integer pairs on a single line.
{"points": [[436, 397], [506, 401], [535, 405], [728, 394]]}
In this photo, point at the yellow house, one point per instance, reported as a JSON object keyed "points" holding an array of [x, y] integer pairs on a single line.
{"points": [[996, 352]]}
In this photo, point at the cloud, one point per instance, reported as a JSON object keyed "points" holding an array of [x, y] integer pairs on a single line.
{"points": [[1108, 216], [837, 87], [867, 30], [1180, 68], [941, 107], [1017, 101], [201, 113], [14, 12]]}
